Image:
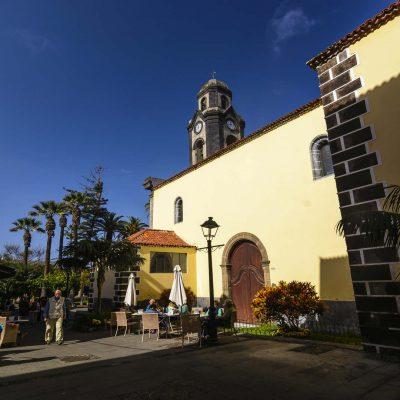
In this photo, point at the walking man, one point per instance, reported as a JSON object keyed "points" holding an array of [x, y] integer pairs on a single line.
{"points": [[54, 314]]}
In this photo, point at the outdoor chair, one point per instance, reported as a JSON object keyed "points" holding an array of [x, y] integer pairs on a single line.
{"points": [[120, 320], [150, 323], [9, 333], [229, 324], [191, 325]]}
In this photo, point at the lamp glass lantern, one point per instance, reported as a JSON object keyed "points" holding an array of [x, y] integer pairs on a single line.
{"points": [[209, 228]]}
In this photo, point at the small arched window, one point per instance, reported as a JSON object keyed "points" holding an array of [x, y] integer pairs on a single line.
{"points": [[230, 139], [321, 157], [203, 103], [178, 210], [198, 148], [224, 102]]}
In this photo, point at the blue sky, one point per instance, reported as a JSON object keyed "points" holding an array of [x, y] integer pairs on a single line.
{"points": [[113, 83]]}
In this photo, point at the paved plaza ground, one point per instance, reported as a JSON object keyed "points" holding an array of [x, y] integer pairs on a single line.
{"points": [[96, 366]]}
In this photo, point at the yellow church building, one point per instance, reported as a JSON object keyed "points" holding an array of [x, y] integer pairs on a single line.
{"points": [[279, 192]]}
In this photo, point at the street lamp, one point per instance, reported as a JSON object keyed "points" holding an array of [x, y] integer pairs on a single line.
{"points": [[210, 229]]}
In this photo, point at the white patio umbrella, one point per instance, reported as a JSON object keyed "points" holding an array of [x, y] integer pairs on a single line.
{"points": [[178, 294], [130, 296]]}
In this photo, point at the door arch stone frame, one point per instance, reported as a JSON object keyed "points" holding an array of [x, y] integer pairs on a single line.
{"points": [[226, 266]]}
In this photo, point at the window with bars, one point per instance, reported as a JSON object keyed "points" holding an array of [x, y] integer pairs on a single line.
{"points": [[321, 157], [165, 262], [178, 210]]}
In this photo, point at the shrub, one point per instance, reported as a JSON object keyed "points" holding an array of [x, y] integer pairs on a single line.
{"points": [[87, 321], [164, 297], [287, 304]]}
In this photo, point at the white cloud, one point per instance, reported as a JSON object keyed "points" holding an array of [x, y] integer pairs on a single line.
{"points": [[34, 42], [126, 171], [289, 23]]}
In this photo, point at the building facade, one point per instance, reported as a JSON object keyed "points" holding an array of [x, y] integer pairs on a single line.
{"points": [[279, 192]]}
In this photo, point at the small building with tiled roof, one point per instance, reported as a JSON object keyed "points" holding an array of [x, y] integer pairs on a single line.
{"points": [[161, 250]]}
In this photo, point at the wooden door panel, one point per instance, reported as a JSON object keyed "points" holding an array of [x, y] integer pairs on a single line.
{"points": [[247, 278]]}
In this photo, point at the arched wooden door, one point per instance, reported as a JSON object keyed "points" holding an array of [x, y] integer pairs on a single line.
{"points": [[247, 277]]}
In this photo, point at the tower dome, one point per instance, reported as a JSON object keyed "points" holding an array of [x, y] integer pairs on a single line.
{"points": [[214, 84]]}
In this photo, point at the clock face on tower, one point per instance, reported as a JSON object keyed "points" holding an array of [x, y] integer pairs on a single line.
{"points": [[230, 124], [198, 127]]}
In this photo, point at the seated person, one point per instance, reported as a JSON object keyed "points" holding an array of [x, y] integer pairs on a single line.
{"points": [[226, 318], [217, 309], [171, 309], [151, 307], [184, 309]]}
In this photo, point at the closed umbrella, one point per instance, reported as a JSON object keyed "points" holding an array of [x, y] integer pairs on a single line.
{"points": [[178, 294], [130, 296]]}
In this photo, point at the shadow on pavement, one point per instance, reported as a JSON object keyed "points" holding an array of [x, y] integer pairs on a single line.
{"points": [[247, 368]]}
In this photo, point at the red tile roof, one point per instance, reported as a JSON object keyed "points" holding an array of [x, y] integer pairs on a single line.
{"points": [[361, 31], [156, 237], [260, 132]]}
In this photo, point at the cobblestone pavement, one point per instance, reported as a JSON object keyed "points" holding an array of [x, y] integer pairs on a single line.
{"points": [[124, 368]]}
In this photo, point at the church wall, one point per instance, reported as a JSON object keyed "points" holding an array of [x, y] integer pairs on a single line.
{"points": [[266, 188]]}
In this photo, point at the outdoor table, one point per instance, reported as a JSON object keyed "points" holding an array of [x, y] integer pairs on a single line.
{"points": [[165, 317], [162, 318], [20, 321]]}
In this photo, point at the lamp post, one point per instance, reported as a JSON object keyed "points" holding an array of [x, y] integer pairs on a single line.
{"points": [[210, 229]]}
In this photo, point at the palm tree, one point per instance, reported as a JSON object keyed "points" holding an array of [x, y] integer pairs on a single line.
{"points": [[380, 227], [47, 209], [28, 225], [110, 225], [132, 225], [74, 202], [62, 212], [107, 254]]}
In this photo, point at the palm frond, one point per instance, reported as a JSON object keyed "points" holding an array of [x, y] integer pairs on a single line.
{"points": [[45, 208], [27, 224], [392, 201], [380, 227]]}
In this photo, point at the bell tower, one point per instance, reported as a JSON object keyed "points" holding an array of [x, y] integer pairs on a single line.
{"points": [[215, 124]]}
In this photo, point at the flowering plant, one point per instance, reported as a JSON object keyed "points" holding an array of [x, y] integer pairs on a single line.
{"points": [[287, 304]]}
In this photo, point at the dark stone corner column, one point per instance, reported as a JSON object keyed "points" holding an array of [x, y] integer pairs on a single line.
{"points": [[374, 270]]}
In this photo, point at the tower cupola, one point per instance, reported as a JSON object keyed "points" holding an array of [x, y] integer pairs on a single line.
{"points": [[215, 123]]}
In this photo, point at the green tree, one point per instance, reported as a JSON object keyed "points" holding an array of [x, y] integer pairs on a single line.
{"points": [[74, 202], [380, 227], [110, 225], [26, 280], [27, 225], [47, 209], [107, 250], [131, 226], [94, 208]]}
